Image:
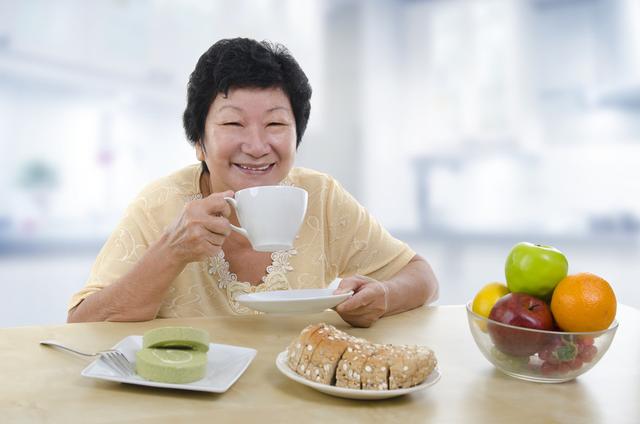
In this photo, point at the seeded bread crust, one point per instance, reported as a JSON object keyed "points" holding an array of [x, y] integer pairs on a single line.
{"points": [[403, 366], [324, 361], [294, 351], [426, 363], [350, 366], [309, 347], [375, 374]]}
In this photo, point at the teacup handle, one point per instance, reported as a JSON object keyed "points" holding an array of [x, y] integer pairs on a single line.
{"points": [[232, 202]]}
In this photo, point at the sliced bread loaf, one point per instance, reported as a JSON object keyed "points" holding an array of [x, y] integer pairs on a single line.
{"points": [[326, 355]]}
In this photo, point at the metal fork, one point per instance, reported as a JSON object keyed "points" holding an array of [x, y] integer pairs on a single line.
{"points": [[113, 358]]}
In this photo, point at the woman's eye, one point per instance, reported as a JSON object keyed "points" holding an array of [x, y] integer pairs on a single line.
{"points": [[275, 124], [232, 124]]}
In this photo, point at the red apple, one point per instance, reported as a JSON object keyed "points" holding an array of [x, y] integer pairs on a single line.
{"points": [[520, 310]]}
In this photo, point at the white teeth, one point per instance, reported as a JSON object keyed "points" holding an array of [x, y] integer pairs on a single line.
{"points": [[262, 168]]}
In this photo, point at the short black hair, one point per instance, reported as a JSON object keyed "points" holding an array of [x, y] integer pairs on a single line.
{"points": [[244, 63]]}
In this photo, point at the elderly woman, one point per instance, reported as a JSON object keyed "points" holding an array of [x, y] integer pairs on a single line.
{"points": [[173, 254]]}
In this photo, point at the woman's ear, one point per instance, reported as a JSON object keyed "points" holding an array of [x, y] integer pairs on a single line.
{"points": [[199, 151]]}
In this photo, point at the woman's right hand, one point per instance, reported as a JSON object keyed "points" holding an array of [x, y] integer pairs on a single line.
{"points": [[200, 230]]}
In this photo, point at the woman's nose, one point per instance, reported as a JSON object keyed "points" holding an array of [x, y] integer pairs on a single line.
{"points": [[256, 144]]}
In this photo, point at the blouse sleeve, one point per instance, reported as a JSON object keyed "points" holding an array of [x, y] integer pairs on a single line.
{"points": [[124, 247], [357, 243]]}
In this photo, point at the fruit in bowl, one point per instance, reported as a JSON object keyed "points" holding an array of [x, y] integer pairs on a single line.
{"points": [[535, 269], [523, 311], [560, 356], [551, 327], [565, 353], [487, 297], [583, 302]]}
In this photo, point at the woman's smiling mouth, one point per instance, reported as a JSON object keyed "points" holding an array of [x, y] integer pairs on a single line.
{"points": [[254, 169]]}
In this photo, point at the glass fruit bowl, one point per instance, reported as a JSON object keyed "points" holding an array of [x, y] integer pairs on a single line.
{"points": [[538, 355]]}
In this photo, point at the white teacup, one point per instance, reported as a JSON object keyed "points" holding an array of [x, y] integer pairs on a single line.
{"points": [[269, 216]]}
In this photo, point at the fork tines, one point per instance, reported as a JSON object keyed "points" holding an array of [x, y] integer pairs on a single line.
{"points": [[118, 362]]}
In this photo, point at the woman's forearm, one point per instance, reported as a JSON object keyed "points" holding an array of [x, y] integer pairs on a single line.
{"points": [[413, 286], [138, 294]]}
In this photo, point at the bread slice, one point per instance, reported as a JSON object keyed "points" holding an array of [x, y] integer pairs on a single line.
{"points": [[402, 368], [294, 351], [375, 374], [349, 370], [426, 363], [411, 365], [323, 363], [308, 347]]}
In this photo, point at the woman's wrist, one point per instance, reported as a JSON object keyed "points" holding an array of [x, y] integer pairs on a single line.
{"points": [[141, 291], [165, 253], [385, 289]]}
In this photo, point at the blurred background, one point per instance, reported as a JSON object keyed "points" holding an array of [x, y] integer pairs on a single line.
{"points": [[464, 126]]}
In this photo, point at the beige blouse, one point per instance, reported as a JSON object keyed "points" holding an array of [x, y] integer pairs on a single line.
{"points": [[338, 238]]}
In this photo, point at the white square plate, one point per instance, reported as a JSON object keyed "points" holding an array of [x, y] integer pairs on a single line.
{"points": [[281, 363], [293, 301], [225, 364]]}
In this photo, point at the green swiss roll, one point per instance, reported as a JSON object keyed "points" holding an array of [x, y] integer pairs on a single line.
{"points": [[176, 337], [171, 365]]}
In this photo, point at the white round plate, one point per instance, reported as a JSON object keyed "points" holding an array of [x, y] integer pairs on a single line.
{"points": [[281, 363], [293, 301]]}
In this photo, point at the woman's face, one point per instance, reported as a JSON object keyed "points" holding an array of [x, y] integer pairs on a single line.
{"points": [[249, 139]]}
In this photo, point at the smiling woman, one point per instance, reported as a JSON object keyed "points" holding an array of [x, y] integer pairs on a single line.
{"points": [[249, 139], [173, 253]]}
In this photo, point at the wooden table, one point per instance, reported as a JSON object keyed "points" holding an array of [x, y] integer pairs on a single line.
{"points": [[40, 384]]}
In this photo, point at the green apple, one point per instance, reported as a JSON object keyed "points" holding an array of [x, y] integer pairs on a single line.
{"points": [[535, 269]]}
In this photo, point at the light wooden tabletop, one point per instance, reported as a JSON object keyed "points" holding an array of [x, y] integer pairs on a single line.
{"points": [[40, 384]]}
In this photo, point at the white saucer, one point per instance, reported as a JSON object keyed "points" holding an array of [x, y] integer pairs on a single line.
{"points": [[225, 364], [293, 301], [281, 363]]}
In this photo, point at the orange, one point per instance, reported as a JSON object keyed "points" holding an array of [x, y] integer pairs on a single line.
{"points": [[583, 302]]}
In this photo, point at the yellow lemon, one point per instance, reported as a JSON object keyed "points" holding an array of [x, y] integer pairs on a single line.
{"points": [[487, 297]]}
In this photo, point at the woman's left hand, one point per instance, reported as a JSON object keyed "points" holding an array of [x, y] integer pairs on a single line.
{"points": [[368, 303]]}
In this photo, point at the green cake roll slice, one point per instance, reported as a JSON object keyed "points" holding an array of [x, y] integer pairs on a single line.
{"points": [[171, 365], [177, 337]]}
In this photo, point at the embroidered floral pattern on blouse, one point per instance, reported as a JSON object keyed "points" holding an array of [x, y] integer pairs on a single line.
{"points": [[220, 267], [275, 278], [280, 262]]}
